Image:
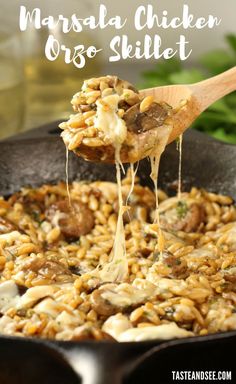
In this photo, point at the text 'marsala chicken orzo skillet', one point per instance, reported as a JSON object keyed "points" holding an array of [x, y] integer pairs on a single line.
{"points": [[19, 167]]}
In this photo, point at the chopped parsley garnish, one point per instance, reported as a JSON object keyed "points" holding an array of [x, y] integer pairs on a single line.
{"points": [[156, 256], [181, 209], [177, 262], [36, 216]]}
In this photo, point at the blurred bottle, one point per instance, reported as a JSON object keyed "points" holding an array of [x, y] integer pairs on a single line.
{"points": [[12, 106], [50, 85]]}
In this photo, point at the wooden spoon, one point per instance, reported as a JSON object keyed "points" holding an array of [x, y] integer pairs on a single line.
{"points": [[196, 97], [199, 96]]}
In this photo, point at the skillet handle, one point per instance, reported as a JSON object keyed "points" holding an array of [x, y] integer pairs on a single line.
{"points": [[102, 363], [106, 363], [92, 370]]}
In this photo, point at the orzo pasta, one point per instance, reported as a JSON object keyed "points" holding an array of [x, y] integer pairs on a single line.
{"points": [[48, 251]]}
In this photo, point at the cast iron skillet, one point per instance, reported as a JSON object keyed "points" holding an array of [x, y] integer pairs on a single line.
{"points": [[39, 157]]}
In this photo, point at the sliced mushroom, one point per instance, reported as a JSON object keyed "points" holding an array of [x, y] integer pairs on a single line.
{"points": [[112, 298], [154, 117], [177, 266], [73, 221], [230, 274], [193, 219], [51, 270], [100, 304], [182, 216]]}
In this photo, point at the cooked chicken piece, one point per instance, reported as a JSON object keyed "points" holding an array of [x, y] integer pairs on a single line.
{"points": [[117, 324]]}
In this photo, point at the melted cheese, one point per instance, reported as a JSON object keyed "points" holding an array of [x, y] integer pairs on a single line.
{"points": [[117, 268], [48, 306], [133, 173], [179, 147], [155, 161], [112, 125], [115, 131], [9, 296], [126, 295], [162, 332]]}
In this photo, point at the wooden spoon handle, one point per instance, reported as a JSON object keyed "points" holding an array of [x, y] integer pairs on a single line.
{"points": [[208, 91]]}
